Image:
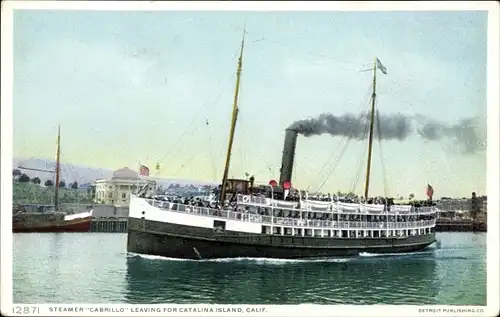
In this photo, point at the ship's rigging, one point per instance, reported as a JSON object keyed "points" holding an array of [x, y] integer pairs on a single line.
{"points": [[56, 171], [372, 130]]}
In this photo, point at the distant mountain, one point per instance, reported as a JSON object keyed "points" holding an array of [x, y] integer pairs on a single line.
{"points": [[84, 174]]}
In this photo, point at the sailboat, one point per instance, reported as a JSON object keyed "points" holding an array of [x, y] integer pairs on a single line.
{"points": [[275, 220], [49, 218]]}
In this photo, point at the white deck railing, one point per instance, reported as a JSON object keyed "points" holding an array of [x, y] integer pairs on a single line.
{"points": [[335, 207], [290, 222]]}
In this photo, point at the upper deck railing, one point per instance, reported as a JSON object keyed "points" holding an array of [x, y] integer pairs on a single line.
{"points": [[335, 207], [290, 222]]}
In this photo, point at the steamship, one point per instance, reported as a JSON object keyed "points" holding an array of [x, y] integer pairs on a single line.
{"points": [[276, 220]]}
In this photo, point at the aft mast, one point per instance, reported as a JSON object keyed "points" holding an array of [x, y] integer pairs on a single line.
{"points": [[376, 65], [58, 169], [233, 123]]}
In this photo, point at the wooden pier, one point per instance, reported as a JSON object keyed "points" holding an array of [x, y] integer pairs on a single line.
{"points": [[449, 225], [109, 224]]}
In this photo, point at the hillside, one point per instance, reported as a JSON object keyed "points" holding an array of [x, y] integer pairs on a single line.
{"points": [[84, 174], [29, 193]]}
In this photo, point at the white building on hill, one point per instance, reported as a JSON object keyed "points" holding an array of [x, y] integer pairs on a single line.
{"points": [[116, 191]]}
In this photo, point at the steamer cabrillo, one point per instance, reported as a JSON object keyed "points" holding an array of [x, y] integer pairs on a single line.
{"points": [[277, 220]]}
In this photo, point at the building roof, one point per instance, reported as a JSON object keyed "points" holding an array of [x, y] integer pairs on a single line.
{"points": [[125, 173]]}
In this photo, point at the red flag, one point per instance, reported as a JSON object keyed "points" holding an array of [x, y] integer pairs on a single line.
{"points": [[144, 170], [430, 191]]}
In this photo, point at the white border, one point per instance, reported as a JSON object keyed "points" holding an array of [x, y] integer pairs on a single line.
{"points": [[301, 310]]}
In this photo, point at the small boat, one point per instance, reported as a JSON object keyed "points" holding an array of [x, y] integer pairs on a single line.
{"points": [[51, 221], [40, 218], [276, 220]]}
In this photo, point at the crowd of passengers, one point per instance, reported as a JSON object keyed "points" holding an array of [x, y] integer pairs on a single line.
{"points": [[295, 196], [263, 211]]}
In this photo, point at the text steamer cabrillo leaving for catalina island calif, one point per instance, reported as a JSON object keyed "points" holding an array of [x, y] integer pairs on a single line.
{"points": [[276, 220]]}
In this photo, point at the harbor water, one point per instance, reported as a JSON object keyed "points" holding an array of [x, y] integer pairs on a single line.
{"points": [[95, 268]]}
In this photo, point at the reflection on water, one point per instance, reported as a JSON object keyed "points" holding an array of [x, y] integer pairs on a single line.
{"points": [[404, 279]]}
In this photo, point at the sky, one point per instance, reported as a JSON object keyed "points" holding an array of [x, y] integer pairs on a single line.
{"points": [[148, 87]]}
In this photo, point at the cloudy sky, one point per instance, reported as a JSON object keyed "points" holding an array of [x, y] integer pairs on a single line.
{"points": [[130, 87]]}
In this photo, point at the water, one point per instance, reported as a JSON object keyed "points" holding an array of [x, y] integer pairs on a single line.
{"points": [[95, 268]]}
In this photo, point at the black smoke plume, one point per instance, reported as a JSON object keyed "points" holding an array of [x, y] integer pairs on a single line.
{"points": [[393, 127], [463, 133]]}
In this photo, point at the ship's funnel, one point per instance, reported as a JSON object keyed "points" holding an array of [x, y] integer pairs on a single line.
{"points": [[288, 155]]}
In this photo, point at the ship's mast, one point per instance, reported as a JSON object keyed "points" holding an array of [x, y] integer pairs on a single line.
{"points": [[370, 138], [233, 123], [58, 169]]}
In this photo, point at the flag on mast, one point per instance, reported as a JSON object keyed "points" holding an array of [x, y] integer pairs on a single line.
{"points": [[430, 191], [382, 68], [144, 170]]}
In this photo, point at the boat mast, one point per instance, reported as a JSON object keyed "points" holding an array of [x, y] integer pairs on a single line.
{"points": [[233, 122], [58, 169], [370, 138]]}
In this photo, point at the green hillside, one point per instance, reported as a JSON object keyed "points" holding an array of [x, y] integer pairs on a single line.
{"points": [[29, 193]]}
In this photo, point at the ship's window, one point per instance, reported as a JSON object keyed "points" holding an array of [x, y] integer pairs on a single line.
{"points": [[327, 233], [219, 225], [288, 231], [308, 233], [266, 229], [276, 230]]}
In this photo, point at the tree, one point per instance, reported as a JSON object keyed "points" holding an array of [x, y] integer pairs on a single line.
{"points": [[411, 196], [16, 173], [74, 185], [36, 180], [49, 183], [62, 184], [24, 178]]}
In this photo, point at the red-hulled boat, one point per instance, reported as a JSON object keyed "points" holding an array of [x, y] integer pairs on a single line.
{"points": [[49, 218], [51, 222]]}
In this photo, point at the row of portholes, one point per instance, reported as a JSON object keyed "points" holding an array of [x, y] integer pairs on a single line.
{"points": [[327, 233]]}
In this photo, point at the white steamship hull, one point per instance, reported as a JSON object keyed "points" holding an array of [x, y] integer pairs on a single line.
{"points": [[161, 232]]}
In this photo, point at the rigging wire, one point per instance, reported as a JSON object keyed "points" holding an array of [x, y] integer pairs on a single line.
{"points": [[211, 152], [334, 151], [344, 148], [362, 158], [359, 168], [192, 131], [336, 163], [241, 146], [185, 164], [362, 113], [384, 173], [188, 128], [315, 54]]}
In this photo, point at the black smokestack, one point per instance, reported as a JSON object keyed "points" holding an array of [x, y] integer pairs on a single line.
{"points": [[394, 127], [288, 155]]}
